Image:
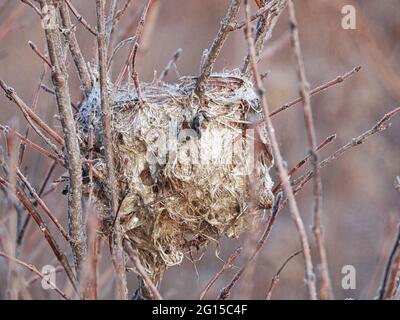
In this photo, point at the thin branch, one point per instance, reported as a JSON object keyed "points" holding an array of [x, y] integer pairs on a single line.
{"points": [[41, 203], [33, 145], [37, 272], [383, 294], [140, 269], [133, 52], [309, 272], [227, 25], [117, 252], [265, 26], [326, 292], [39, 54], [170, 63], [47, 234], [69, 33], [73, 156], [275, 279], [24, 226], [227, 265], [51, 91], [12, 95], [36, 9], [80, 18], [318, 89], [380, 126], [226, 291], [300, 164]]}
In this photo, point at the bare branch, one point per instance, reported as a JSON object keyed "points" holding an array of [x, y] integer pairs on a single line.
{"points": [[73, 156], [69, 33], [227, 265], [265, 26], [275, 279], [309, 274], [226, 291], [47, 234], [170, 63], [383, 293], [37, 272], [326, 292], [300, 164], [117, 251], [227, 25], [39, 54], [318, 89], [140, 269], [80, 18]]}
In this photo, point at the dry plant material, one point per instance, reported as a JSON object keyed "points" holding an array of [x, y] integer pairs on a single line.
{"points": [[181, 167]]}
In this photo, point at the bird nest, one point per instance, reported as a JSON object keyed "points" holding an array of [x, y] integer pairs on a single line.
{"points": [[188, 171]]}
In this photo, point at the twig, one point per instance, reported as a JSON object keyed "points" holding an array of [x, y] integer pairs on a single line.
{"points": [[39, 54], [80, 18], [227, 265], [140, 269], [259, 13], [24, 226], [74, 48], [37, 272], [171, 62], [265, 26], [51, 91], [380, 126], [138, 35], [73, 156], [226, 291], [300, 164], [275, 279], [41, 203], [318, 89], [383, 294], [227, 25], [326, 292], [121, 12], [36, 9], [33, 145], [309, 272], [119, 46], [47, 234], [12, 95], [117, 251]]}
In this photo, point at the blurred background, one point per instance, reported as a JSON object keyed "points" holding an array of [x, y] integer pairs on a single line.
{"points": [[360, 203]]}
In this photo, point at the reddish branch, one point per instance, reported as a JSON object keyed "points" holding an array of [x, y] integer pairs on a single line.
{"points": [[73, 156], [151, 287], [46, 232], [80, 18], [326, 286], [316, 90], [117, 252], [37, 272], [74, 48], [309, 274], [300, 164], [226, 291], [276, 278], [227, 25], [227, 265]]}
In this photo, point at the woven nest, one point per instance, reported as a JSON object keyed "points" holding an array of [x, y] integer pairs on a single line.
{"points": [[188, 172]]}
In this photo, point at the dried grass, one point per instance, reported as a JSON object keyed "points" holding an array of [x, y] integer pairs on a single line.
{"points": [[187, 184]]}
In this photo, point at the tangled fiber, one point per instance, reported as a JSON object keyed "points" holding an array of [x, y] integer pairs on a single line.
{"points": [[189, 171]]}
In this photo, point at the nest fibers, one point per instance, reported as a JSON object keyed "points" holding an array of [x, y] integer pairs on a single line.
{"points": [[188, 171]]}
